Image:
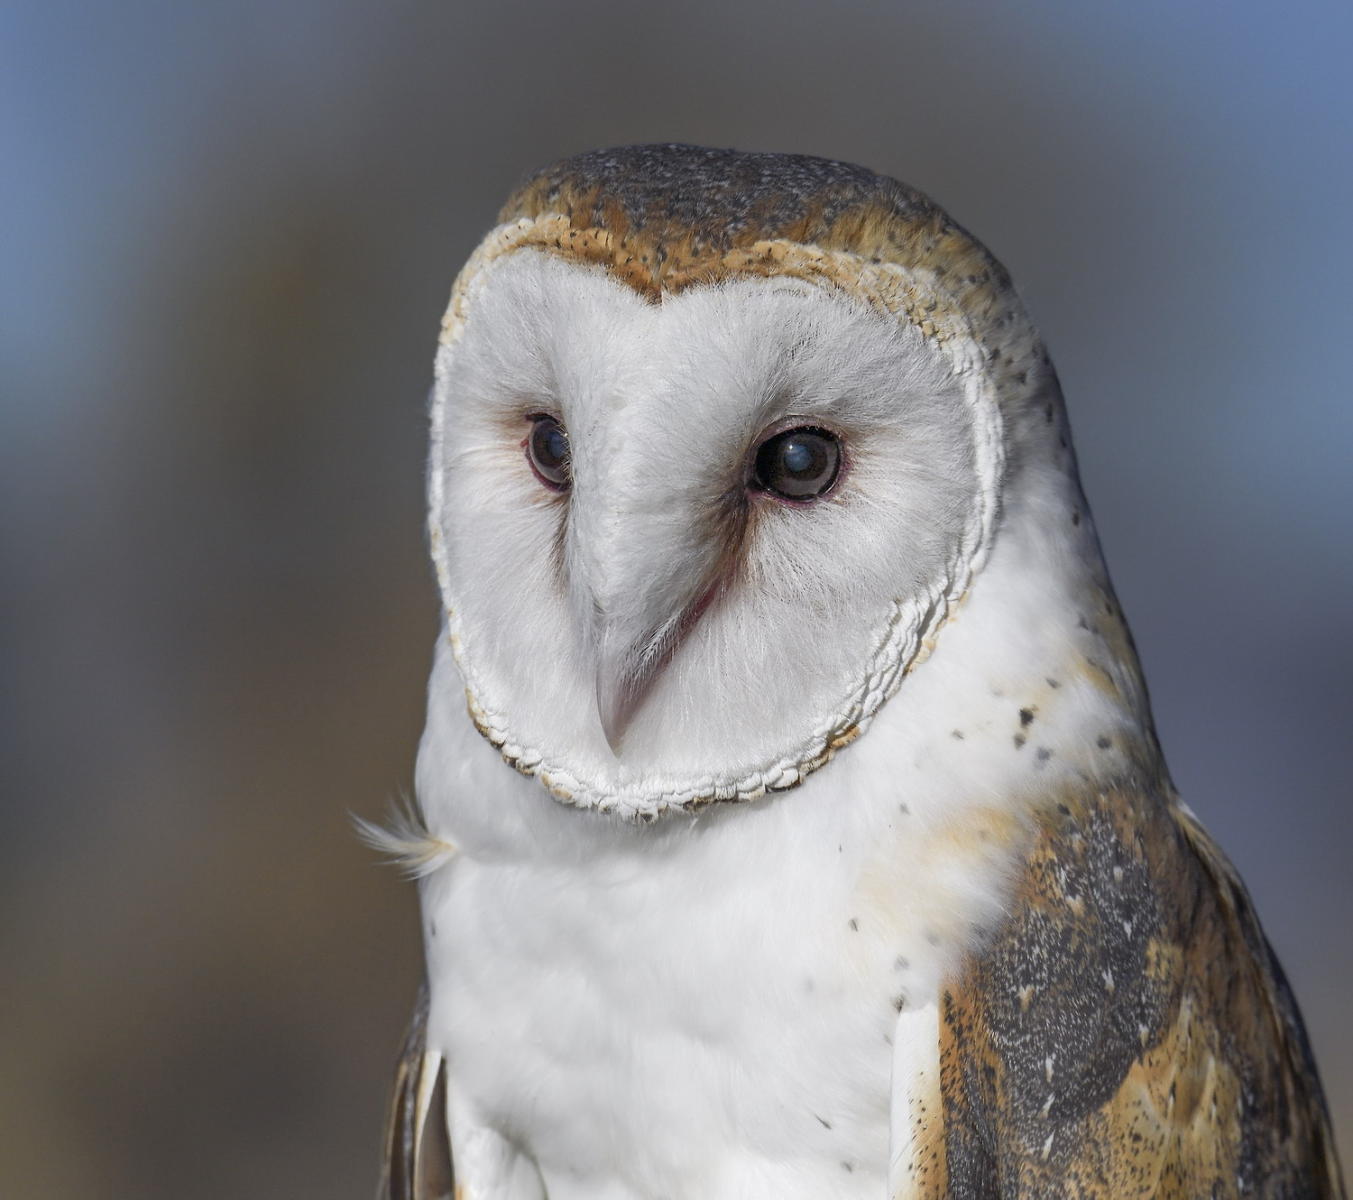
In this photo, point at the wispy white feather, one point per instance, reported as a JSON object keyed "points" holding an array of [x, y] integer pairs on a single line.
{"points": [[405, 840]]}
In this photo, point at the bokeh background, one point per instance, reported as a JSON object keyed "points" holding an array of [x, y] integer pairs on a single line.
{"points": [[228, 232]]}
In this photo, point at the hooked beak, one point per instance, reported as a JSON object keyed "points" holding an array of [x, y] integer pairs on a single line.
{"points": [[622, 683], [627, 668], [643, 565]]}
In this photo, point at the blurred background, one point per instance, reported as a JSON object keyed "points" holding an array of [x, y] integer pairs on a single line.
{"points": [[228, 233]]}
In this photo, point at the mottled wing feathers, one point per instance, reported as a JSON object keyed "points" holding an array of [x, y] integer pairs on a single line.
{"points": [[417, 1162], [1306, 1099], [1127, 1031]]}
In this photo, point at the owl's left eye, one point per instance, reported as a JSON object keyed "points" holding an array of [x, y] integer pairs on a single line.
{"points": [[798, 464], [547, 452]]}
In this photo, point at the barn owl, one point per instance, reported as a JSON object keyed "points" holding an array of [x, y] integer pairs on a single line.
{"points": [[791, 821]]}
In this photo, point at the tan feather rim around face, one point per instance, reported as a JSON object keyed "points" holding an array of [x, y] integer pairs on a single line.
{"points": [[907, 637]]}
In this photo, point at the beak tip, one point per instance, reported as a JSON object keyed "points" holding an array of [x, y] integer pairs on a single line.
{"points": [[613, 711]]}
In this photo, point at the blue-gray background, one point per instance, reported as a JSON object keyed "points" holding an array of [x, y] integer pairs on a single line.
{"points": [[228, 233]]}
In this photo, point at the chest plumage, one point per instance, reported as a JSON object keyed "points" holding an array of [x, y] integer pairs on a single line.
{"points": [[838, 857]]}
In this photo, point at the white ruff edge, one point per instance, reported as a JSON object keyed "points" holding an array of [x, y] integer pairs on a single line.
{"points": [[914, 623]]}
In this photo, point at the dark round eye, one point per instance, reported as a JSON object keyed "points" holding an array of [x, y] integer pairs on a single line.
{"points": [[799, 464], [547, 452]]}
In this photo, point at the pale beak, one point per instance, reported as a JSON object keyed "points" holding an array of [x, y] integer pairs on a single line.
{"points": [[644, 563], [627, 669], [620, 691]]}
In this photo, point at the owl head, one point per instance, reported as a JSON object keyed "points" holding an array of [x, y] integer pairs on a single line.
{"points": [[722, 445]]}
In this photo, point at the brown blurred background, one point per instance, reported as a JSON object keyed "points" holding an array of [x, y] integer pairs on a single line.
{"points": [[229, 231]]}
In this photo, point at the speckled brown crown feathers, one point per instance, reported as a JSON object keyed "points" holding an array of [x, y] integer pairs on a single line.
{"points": [[665, 217]]}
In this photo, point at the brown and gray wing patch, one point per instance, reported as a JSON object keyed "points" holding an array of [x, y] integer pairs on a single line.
{"points": [[1277, 1012], [1128, 1032], [417, 1162]]}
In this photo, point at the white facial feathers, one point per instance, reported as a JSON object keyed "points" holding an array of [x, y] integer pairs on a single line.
{"points": [[728, 630]]}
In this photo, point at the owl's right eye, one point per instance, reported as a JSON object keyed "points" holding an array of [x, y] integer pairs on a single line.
{"points": [[547, 452]]}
